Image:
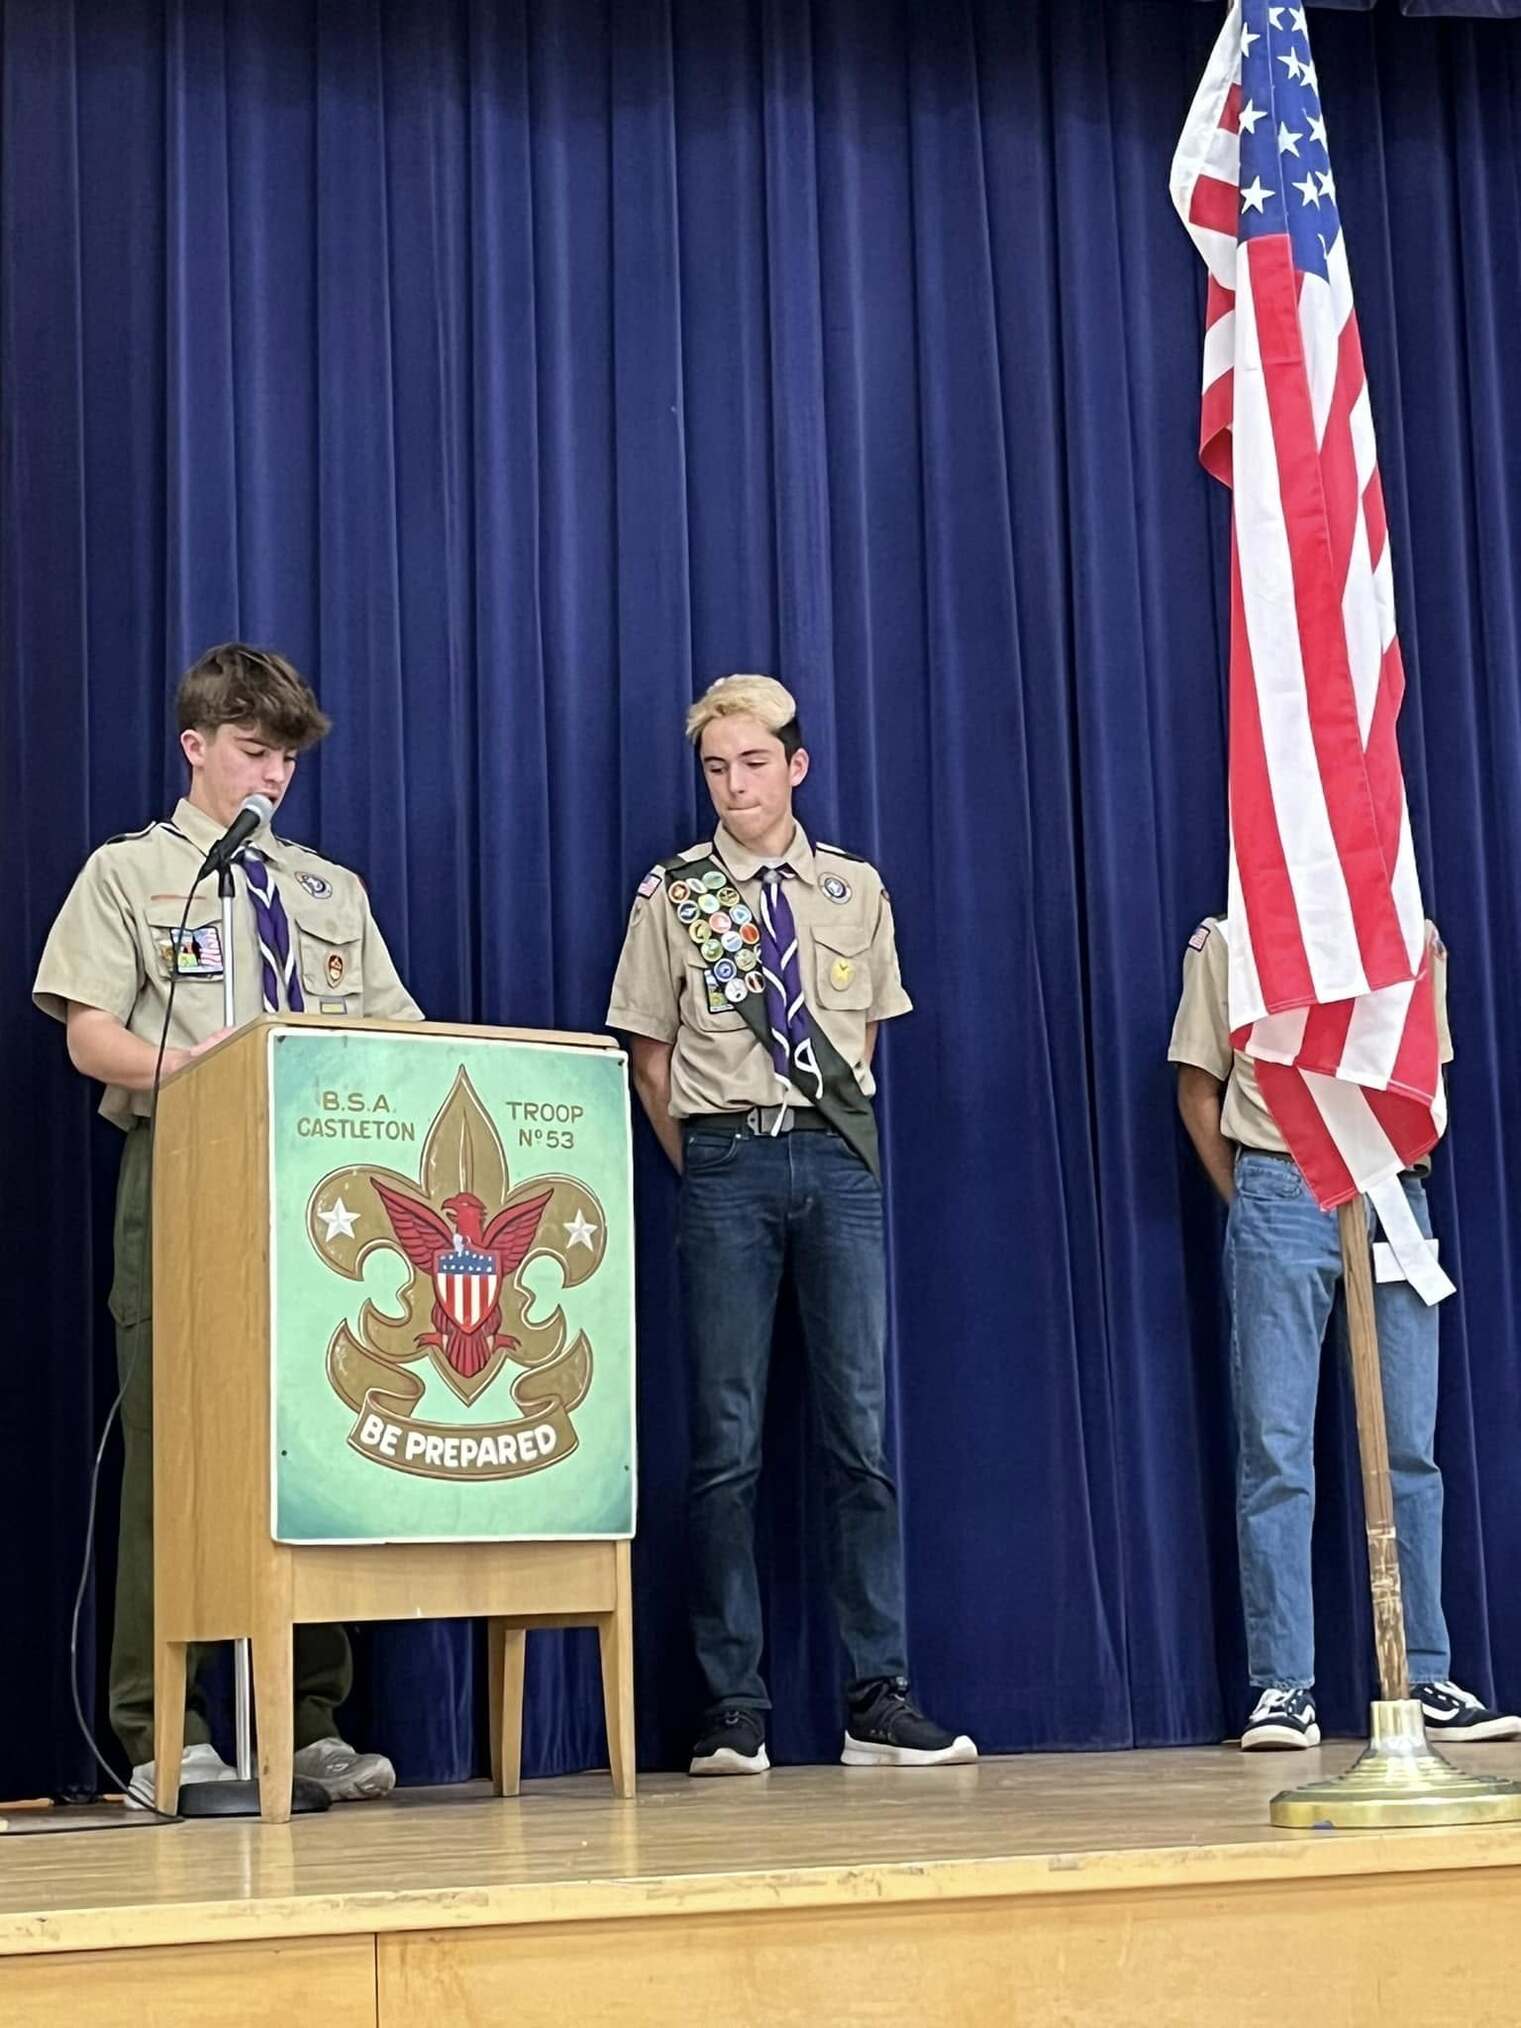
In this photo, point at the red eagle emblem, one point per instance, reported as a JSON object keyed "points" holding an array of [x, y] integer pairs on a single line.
{"points": [[468, 1267]]}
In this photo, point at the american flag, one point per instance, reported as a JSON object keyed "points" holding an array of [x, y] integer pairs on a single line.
{"points": [[1330, 977]]}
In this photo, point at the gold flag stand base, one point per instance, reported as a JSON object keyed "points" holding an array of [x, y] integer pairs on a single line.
{"points": [[1399, 1783]]}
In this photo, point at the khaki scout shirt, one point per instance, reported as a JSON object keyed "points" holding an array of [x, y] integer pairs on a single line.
{"points": [[846, 954], [1201, 1034], [112, 944]]}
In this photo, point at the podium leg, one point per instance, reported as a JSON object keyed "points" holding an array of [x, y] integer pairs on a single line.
{"points": [[169, 1663], [615, 1638], [507, 1651], [274, 1694]]}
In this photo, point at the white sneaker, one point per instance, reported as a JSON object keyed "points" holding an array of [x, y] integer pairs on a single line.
{"points": [[198, 1763], [348, 1777]]}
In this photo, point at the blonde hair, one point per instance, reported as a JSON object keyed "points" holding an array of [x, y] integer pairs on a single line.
{"points": [[758, 697]]}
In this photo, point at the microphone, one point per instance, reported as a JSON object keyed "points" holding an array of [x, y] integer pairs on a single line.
{"points": [[252, 812]]}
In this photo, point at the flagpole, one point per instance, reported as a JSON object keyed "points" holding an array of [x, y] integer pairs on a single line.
{"points": [[1373, 1453], [1401, 1780]]}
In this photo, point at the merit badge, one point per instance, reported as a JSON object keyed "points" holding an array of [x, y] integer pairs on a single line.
{"points": [[750, 933], [318, 888], [835, 888], [194, 954], [709, 905], [754, 983], [729, 896], [721, 921], [687, 912], [735, 990], [746, 960], [739, 915], [698, 931], [712, 949], [723, 971], [841, 972], [713, 880], [732, 941], [335, 968], [679, 890]]}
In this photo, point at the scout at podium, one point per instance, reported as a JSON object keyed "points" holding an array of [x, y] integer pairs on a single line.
{"points": [[755, 970], [305, 940]]}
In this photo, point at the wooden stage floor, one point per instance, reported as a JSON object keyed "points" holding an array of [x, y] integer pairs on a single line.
{"points": [[1109, 1890]]}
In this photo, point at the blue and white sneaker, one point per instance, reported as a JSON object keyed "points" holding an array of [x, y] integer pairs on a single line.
{"points": [[1283, 1719], [1452, 1713]]}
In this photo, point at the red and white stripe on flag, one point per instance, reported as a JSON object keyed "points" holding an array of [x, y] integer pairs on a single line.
{"points": [[1330, 975]]}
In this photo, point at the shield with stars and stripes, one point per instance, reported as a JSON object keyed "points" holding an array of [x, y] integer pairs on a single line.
{"points": [[467, 1285]]}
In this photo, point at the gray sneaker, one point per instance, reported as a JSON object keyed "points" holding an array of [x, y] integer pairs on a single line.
{"points": [[198, 1763], [348, 1777]]}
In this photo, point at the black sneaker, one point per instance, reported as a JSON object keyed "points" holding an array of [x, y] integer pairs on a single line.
{"points": [[1283, 1718], [733, 1744], [1455, 1714], [886, 1728]]}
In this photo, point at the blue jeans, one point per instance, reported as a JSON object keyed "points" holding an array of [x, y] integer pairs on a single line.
{"points": [[1282, 1265], [751, 1209]]}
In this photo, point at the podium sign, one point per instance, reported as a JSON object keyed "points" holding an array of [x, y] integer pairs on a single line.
{"points": [[451, 1289]]}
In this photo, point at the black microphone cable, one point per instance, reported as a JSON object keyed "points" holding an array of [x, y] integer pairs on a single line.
{"points": [[145, 1268]]}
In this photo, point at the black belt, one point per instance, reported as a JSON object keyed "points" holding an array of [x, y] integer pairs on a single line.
{"points": [[760, 1120]]}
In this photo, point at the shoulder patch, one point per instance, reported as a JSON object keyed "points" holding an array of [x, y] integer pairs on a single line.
{"points": [[127, 837], [839, 852], [1201, 936], [651, 881]]}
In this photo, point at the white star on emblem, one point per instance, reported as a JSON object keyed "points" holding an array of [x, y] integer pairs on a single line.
{"points": [[1327, 184], [1291, 63], [1275, 17], [1309, 77], [1288, 142], [1310, 190], [1248, 37], [1317, 129], [1255, 195], [1250, 115], [339, 1219], [1298, 22], [579, 1231]]}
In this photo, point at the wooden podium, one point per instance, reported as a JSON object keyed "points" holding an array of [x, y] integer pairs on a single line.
{"points": [[219, 1574]]}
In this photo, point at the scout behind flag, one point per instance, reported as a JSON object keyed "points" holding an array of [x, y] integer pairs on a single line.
{"points": [[1330, 977]]}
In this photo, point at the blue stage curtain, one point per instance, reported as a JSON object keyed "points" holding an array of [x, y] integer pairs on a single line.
{"points": [[517, 368]]}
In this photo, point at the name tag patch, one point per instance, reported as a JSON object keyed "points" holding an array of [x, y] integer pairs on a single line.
{"points": [[192, 953]]}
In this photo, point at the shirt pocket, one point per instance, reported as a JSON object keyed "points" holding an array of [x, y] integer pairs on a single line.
{"points": [[330, 953], [715, 1015], [842, 967], [198, 944]]}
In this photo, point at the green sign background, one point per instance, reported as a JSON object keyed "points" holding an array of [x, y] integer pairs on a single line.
{"points": [[347, 1106]]}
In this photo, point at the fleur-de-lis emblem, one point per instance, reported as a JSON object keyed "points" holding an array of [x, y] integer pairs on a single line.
{"points": [[467, 1235]]}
